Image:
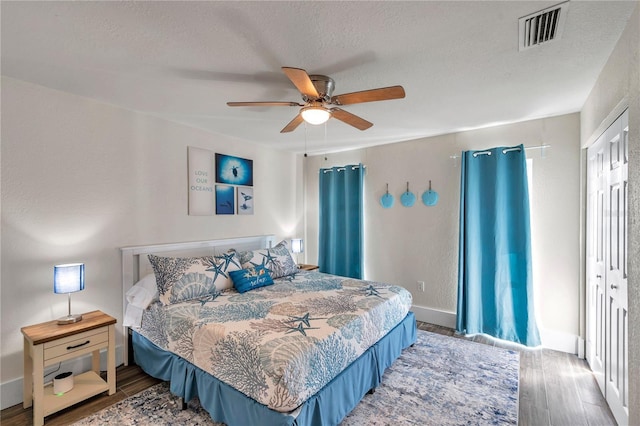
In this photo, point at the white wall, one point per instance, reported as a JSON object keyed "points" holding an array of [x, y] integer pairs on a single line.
{"points": [[405, 245], [617, 88], [80, 179]]}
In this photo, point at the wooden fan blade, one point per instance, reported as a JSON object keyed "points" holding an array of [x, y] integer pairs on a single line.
{"points": [[236, 104], [382, 94], [350, 119], [293, 124], [303, 83]]}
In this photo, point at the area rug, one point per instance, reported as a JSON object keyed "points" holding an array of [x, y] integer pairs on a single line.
{"points": [[440, 380]]}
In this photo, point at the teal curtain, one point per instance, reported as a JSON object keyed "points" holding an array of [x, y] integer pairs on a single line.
{"points": [[341, 220], [495, 291]]}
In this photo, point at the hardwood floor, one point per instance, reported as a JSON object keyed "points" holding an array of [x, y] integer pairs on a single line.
{"points": [[556, 388]]}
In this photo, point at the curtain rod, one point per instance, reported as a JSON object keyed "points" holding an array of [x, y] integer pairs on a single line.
{"points": [[508, 149], [340, 169]]}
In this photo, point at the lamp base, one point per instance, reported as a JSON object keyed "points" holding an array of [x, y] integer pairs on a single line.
{"points": [[70, 319]]}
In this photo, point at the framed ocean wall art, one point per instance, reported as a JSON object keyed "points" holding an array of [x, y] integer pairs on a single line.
{"points": [[232, 170], [225, 199], [245, 200], [201, 181]]}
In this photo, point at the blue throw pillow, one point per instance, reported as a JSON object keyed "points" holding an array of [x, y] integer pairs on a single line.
{"points": [[250, 278]]}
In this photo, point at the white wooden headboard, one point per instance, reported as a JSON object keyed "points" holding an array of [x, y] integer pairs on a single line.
{"points": [[135, 263]]}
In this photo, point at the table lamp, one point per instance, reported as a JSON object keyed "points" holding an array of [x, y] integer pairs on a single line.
{"points": [[297, 246], [68, 278]]}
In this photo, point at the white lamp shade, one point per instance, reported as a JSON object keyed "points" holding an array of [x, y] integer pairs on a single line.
{"points": [[68, 278], [297, 245], [315, 114]]}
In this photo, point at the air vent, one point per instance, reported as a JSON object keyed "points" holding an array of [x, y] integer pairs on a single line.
{"points": [[543, 26]]}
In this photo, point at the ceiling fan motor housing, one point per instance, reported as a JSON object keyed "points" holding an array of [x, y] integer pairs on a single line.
{"points": [[324, 85]]}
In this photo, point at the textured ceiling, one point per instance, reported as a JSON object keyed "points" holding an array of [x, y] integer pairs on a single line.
{"points": [[458, 61]]}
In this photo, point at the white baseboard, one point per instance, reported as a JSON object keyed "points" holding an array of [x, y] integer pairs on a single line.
{"points": [[581, 348], [551, 339], [434, 316], [559, 341], [11, 391]]}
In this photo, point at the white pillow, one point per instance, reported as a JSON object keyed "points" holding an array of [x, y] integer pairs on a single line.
{"points": [[139, 297], [143, 292], [133, 316]]}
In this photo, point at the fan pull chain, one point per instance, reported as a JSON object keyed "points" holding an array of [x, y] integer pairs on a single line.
{"points": [[305, 139]]}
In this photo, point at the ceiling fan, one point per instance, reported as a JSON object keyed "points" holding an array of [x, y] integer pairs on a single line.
{"points": [[317, 94]]}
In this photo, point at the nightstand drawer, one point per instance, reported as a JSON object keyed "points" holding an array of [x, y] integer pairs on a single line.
{"points": [[76, 343]]}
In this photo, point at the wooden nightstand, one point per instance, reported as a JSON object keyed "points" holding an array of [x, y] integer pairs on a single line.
{"points": [[49, 343], [306, 267]]}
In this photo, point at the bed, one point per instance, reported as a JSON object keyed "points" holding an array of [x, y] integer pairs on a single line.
{"points": [[277, 346]]}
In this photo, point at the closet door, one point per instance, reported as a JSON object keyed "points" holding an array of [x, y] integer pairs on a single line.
{"points": [[616, 358], [607, 309], [596, 186]]}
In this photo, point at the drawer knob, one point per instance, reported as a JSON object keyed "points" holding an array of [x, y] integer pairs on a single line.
{"points": [[77, 346]]}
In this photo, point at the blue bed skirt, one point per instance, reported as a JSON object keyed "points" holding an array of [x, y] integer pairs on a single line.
{"points": [[230, 406]]}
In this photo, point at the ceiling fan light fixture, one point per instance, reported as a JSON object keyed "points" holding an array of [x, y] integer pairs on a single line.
{"points": [[315, 114]]}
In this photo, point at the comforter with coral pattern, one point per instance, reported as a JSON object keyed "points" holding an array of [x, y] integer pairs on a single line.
{"points": [[283, 343]]}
